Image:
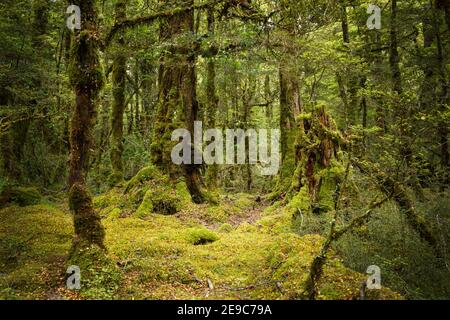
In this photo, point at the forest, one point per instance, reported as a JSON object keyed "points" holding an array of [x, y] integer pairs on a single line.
{"points": [[224, 149]]}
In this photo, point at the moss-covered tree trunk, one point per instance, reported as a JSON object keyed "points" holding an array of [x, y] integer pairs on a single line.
{"points": [[177, 105], [394, 57], [288, 103], [86, 78], [348, 79], [138, 100], [246, 123], [378, 78], [212, 100], [268, 98], [400, 195], [316, 144], [118, 107]]}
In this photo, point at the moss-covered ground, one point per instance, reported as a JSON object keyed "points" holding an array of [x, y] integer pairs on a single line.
{"points": [[237, 249]]}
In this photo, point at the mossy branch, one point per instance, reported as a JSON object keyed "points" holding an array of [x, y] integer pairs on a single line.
{"points": [[316, 269], [131, 23]]}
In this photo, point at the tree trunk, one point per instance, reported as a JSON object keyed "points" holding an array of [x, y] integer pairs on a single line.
{"points": [[178, 80], [118, 107], [287, 121], [212, 100], [394, 59], [247, 97], [148, 90], [378, 78], [267, 95], [86, 78], [349, 87]]}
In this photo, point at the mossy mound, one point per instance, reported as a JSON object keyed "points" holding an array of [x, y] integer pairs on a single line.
{"points": [[226, 227], [149, 191], [153, 192], [20, 196], [161, 199], [146, 174], [199, 236], [115, 179], [232, 209], [113, 203]]}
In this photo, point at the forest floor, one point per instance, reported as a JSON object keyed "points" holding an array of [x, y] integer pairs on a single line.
{"points": [[237, 249]]}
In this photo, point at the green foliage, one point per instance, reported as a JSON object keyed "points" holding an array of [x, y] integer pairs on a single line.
{"points": [[20, 195], [408, 264]]}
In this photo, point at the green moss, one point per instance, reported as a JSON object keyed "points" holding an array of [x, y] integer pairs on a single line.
{"points": [[162, 200], [111, 204], [182, 191], [247, 227], [144, 175], [146, 206], [156, 258], [225, 227], [115, 213], [211, 197], [217, 214], [301, 201], [100, 277], [243, 200], [33, 241], [85, 75], [279, 222], [198, 236], [113, 198], [86, 219], [115, 179]]}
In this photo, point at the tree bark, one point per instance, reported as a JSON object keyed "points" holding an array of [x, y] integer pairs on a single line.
{"points": [[118, 106], [86, 78], [178, 80], [394, 58], [212, 100]]}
